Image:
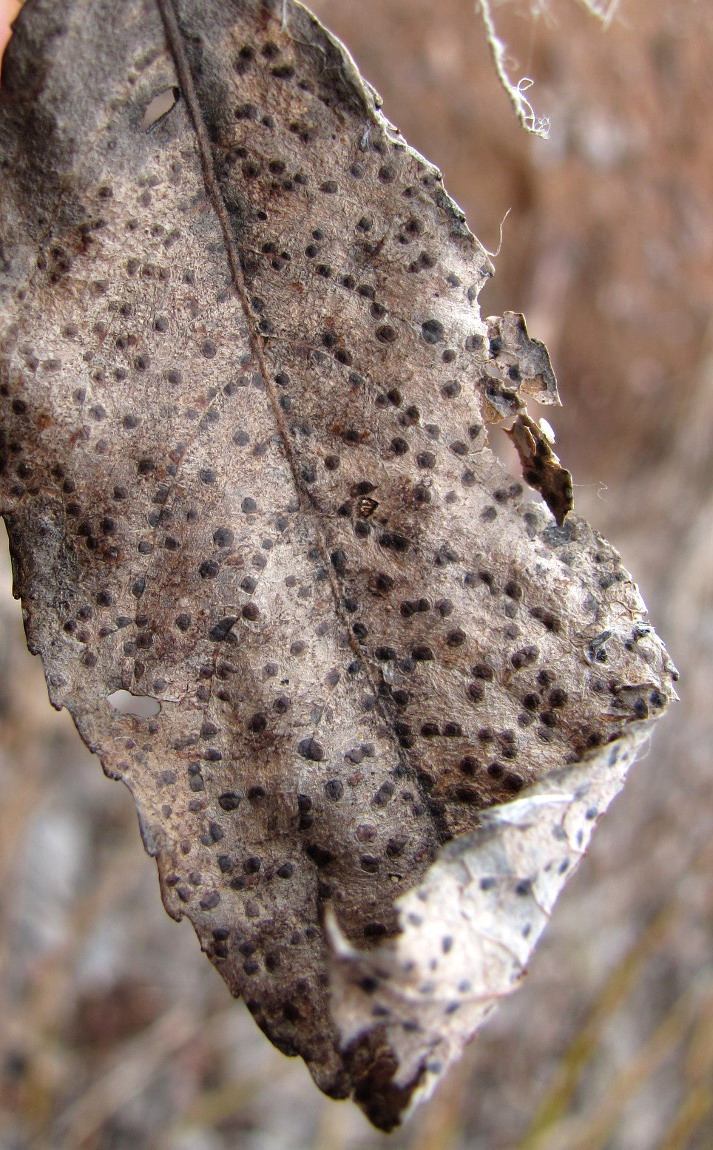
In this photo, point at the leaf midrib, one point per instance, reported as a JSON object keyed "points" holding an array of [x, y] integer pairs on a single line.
{"points": [[307, 501]]}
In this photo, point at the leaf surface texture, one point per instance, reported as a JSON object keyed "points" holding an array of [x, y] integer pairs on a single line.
{"points": [[244, 413]]}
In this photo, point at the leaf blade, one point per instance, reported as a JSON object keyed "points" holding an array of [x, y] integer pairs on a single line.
{"points": [[248, 380]]}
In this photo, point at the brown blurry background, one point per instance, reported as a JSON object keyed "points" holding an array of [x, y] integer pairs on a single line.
{"points": [[114, 1030]]}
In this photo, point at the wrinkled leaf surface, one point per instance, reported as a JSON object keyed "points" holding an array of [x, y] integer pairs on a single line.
{"points": [[245, 471]]}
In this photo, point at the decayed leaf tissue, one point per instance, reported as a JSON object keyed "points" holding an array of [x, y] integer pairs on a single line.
{"points": [[246, 390]]}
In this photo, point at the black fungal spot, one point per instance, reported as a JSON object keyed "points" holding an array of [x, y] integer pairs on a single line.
{"points": [[465, 794], [339, 560], [384, 794], [524, 657], [392, 540], [513, 782], [384, 654], [219, 633], [382, 582], [319, 855], [312, 750], [549, 620], [432, 331], [422, 653]]}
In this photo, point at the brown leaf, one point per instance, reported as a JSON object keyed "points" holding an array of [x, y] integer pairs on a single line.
{"points": [[245, 474], [541, 468]]}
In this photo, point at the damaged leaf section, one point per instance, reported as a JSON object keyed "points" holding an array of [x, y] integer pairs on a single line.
{"points": [[522, 360], [468, 929], [541, 468]]}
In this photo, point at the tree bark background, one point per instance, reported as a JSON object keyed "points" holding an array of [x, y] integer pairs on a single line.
{"points": [[116, 1031]]}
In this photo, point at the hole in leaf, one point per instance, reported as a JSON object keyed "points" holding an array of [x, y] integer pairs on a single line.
{"points": [[159, 107], [140, 706]]}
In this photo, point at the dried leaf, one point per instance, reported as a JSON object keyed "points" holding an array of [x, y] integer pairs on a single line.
{"points": [[520, 359], [273, 569], [541, 468]]}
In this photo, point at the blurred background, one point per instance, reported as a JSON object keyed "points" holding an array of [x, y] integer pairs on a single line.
{"points": [[114, 1030]]}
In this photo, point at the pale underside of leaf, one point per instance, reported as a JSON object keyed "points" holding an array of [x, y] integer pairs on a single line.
{"points": [[246, 476]]}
